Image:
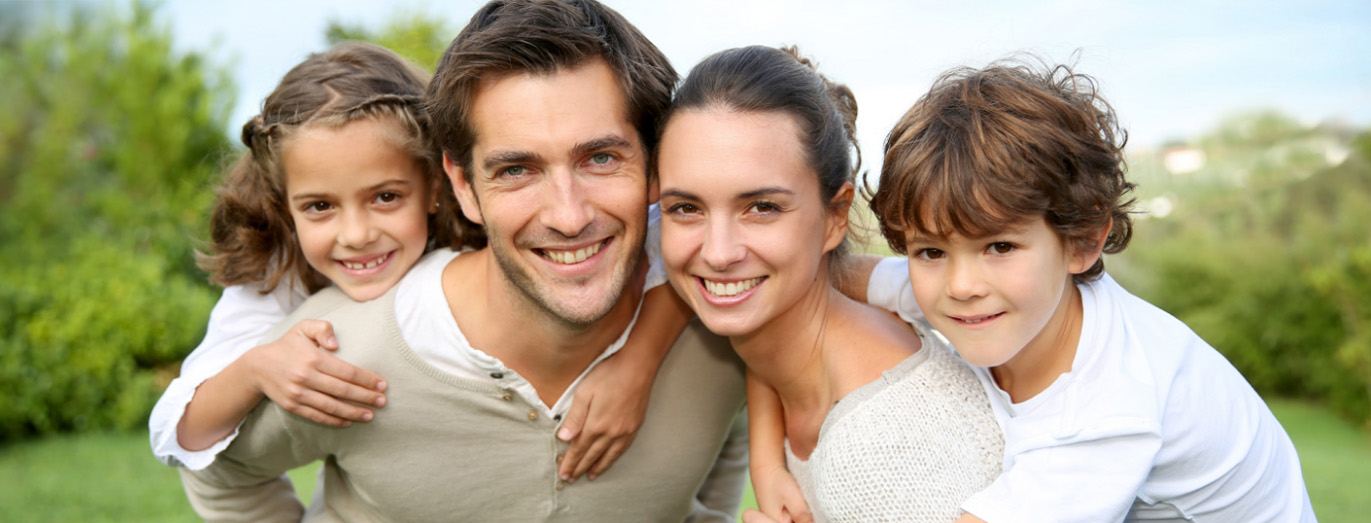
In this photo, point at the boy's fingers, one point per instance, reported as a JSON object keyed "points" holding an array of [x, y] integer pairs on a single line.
{"points": [[330, 406], [350, 373], [320, 332]]}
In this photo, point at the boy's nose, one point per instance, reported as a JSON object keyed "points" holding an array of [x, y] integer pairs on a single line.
{"points": [[964, 281]]}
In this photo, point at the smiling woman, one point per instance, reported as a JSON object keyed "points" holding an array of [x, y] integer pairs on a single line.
{"points": [[756, 181]]}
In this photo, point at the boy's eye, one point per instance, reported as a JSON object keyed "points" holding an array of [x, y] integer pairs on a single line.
{"points": [[1000, 248], [929, 254]]}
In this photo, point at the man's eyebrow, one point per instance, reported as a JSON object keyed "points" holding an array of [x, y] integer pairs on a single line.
{"points": [[507, 157], [610, 141]]}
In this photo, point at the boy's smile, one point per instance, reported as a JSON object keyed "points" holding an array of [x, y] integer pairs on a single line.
{"points": [[1001, 300]]}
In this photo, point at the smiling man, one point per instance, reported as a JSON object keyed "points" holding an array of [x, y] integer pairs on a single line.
{"points": [[545, 112]]}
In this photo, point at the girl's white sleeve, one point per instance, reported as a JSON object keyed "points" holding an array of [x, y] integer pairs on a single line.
{"points": [[652, 247], [236, 325], [889, 288]]}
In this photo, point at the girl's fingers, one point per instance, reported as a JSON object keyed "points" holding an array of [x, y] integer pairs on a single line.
{"points": [[319, 332], [345, 391], [615, 450], [328, 405], [333, 366], [315, 415]]}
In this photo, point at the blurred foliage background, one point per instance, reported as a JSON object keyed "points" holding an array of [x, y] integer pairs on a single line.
{"points": [[1256, 233]]}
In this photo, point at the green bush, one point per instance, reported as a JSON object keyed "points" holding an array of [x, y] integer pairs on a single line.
{"points": [[1266, 257], [108, 147]]}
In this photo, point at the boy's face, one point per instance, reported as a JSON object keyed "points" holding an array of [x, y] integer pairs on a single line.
{"points": [[1000, 297], [560, 183]]}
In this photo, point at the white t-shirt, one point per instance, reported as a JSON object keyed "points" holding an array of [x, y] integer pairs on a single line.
{"points": [[1151, 423], [243, 316]]}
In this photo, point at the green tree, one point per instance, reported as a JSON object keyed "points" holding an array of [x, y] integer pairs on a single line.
{"points": [[108, 146]]}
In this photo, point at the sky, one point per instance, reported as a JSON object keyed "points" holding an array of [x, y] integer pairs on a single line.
{"points": [[1170, 69]]}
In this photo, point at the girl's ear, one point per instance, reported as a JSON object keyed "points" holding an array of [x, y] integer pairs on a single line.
{"points": [[835, 229], [1083, 258], [466, 194]]}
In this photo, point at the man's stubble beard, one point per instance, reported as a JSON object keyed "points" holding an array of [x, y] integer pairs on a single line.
{"points": [[531, 293]]}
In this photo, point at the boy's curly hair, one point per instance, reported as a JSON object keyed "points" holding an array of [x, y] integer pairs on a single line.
{"points": [[252, 235], [988, 148]]}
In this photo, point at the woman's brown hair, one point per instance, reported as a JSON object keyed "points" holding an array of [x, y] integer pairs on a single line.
{"points": [[986, 149], [252, 235]]}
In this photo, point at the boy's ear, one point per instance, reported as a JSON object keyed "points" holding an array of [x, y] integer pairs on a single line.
{"points": [[838, 209], [1084, 258], [466, 194]]}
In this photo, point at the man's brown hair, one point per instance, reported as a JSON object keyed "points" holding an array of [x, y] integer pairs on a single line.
{"points": [[542, 37], [986, 149]]}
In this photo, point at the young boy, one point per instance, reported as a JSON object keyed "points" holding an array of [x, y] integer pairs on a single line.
{"points": [[1003, 186]]}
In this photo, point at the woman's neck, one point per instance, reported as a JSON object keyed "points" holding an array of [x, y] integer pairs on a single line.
{"points": [[787, 353]]}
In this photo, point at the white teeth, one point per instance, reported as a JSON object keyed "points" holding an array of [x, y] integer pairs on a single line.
{"points": [[357, 266], [730, 288], [570, 257]]}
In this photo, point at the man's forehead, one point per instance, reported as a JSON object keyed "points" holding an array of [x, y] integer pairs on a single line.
{"points": [[547, 111]]}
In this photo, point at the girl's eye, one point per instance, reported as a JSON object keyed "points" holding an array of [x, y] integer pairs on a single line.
{"points": [[1000, 247], [929, 254], [317, 207], [387, 197]]}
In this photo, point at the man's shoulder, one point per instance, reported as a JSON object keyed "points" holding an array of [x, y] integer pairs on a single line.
{"points": [[333, 305]]}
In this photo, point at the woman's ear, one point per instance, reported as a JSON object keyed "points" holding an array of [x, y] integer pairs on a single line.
{"points": [[1084, 257], [837, 222], [466, 194]]}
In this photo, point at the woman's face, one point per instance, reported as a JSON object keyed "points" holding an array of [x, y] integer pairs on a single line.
{"points": [[744, 228]]}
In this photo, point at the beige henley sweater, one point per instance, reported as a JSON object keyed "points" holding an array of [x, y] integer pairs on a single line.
{"points": [[451, 449]]}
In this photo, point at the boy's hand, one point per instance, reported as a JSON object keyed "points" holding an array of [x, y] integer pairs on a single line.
{"points": [[300, 373], [605, 415], [779, 497]]}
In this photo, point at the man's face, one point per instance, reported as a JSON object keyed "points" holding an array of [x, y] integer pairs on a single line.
{"points": [[559, 180]]}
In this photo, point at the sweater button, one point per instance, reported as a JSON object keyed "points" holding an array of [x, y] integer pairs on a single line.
{"points": [[532, 415], [507, 396], [497, 375]]}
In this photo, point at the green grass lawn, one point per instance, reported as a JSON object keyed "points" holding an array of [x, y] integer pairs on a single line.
{"points": [[113, 477]]}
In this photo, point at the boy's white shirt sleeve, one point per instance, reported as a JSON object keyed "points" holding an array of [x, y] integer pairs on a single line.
{"points": [[656, 272], [237, 323], [889, 288], [1086, 480]]}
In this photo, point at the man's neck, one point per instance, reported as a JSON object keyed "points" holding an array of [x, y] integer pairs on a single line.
{"points": [[546, 351]]}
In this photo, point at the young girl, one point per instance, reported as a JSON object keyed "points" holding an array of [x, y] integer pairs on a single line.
{"points": [[1003, 186], [339, 186]]}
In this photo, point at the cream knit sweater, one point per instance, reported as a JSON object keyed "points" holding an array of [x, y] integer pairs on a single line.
{"points": [[910, 446]]}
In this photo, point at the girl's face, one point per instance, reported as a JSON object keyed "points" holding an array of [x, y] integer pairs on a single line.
{"points": [[998, 297], [744, 228], [360, 204]]}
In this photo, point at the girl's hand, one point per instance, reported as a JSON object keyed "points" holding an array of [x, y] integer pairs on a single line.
{"points": [[300, 373], [608, 409], [779, 497]]}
